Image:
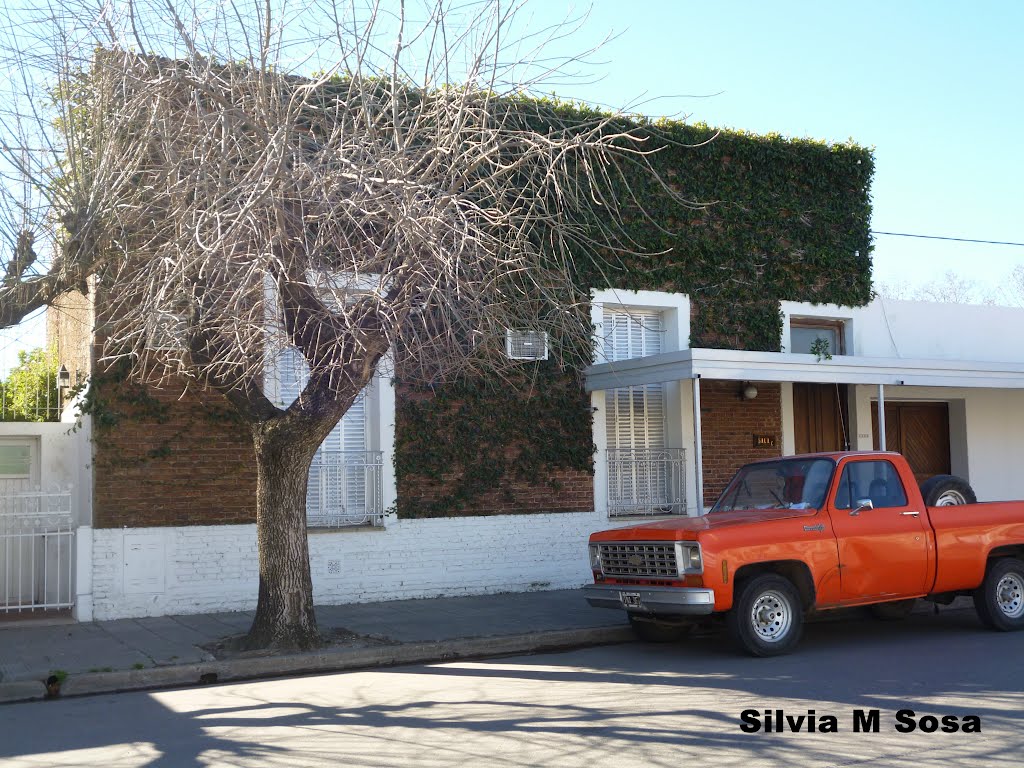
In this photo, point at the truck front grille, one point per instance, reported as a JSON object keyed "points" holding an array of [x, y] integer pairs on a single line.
{"points": [[645, 559]]}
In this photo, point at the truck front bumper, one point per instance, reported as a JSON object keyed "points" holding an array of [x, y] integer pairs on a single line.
{"points": [[679, 601]]}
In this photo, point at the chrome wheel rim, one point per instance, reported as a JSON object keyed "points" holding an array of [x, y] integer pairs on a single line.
{"points": [[771, 616], [1010, 595], [950, 499]]}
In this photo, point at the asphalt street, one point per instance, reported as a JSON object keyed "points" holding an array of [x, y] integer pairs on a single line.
{"points": [[623, 706]]}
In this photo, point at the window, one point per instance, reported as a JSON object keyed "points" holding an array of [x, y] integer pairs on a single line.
{"points": [[635, 415], [784, 484], [15, 460], [639, 466], [875, 480], [344, 478], [806, 335]]}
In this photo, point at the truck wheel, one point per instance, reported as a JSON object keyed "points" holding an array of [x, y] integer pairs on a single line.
{"points": [[894, 611], [652, 631], [999, 600], [947, 491], [766, 617]]}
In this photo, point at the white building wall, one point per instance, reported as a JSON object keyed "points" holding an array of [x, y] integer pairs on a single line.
{"points": [[986, 433], [199, 569], [62, 455]]}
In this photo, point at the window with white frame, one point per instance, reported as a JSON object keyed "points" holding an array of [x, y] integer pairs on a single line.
{"points": [[345, 477], [635, 416], [19, 464], [816, 335]]}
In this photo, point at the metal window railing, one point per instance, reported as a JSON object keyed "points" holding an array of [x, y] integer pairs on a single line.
{"points": [[346, 488], [650, 481], [37, 542]]}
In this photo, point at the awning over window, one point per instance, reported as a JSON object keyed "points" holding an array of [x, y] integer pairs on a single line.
{"points": [[733, 365]]}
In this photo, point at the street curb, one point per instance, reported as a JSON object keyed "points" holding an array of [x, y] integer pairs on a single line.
{"points": [[326, 660], [22, 690]]}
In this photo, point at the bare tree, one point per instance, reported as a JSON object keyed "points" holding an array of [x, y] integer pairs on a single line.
{"points": [[354, 182], [951, 288]]}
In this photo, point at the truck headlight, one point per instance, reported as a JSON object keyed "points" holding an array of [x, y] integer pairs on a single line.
{"points": [[595, 557], [688, 558]]}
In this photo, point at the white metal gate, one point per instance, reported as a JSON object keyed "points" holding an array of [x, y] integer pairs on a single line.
{"points": [[37, 544]]}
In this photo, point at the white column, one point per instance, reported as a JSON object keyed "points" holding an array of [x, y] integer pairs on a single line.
{"points": [[698, 460], [881, 417], [82, 610]]}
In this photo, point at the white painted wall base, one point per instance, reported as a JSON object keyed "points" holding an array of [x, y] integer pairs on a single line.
{"points": [[82, 610], [202, 569]]}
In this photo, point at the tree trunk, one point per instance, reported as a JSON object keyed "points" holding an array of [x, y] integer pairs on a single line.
{"points": [[285, 619]]}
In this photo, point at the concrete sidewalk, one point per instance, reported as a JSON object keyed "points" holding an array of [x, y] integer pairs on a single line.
{"points": [[130, 654]]}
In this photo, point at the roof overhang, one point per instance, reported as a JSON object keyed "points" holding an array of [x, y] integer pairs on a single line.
{"points": [[734, 365]]}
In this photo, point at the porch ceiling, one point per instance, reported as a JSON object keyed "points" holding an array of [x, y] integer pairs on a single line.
{"points": [[733, 365]]}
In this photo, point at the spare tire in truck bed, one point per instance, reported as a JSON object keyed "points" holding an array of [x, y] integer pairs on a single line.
{"points": [[947, 491]]}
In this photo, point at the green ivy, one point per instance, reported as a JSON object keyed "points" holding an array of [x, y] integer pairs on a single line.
{"points": [[475, 436], [783, 219]]}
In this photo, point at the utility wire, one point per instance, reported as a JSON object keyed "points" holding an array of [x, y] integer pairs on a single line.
{"points": [[939, 237]]}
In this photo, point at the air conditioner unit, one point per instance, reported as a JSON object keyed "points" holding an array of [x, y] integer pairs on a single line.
{"points": [[526, 345], [166, 332]]}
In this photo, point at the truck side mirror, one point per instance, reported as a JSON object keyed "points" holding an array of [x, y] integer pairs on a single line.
{"points": [[861, 505]]}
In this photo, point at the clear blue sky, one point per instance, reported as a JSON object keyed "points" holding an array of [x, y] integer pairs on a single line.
{"points": [[935, 87]]}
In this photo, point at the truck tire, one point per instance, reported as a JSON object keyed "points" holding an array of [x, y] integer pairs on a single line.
{"points": [[653, 631], [893, 611], [767, 618], [947, 491], [999, 600]]}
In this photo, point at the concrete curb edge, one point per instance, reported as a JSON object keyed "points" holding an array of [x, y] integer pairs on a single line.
{"points": [[326, 660]]}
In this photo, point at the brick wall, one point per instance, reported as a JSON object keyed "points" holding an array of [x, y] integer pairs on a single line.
{"points": [[728, 426], [181, 468], [69, 323], [574, 492]]}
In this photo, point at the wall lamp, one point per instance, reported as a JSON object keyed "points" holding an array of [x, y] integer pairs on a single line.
{"points": [[748, 391]]}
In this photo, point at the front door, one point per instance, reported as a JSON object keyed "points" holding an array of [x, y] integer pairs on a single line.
{"points": [[882, 551], [920, 431], [819, 418]]}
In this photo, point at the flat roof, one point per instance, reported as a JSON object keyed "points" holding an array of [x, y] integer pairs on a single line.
{"points": [[736, 365]]}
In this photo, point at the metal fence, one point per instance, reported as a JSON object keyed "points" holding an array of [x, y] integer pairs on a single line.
{"points": [[37, 542], [648, 481], [30, 391], [345, 488]]}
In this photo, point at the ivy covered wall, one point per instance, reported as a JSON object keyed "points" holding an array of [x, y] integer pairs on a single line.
{"points": [[783, 219]]}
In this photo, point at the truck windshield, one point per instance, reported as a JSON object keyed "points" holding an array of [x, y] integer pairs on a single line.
{"points": [[784, 484]]}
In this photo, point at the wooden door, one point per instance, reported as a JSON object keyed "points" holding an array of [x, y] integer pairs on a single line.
{"points": [[819, 417], [920, 431]]}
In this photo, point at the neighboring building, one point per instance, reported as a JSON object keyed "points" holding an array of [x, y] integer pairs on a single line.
{"points": [[476, 488]]}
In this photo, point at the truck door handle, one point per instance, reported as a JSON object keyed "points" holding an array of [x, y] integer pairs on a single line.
{"points": [[910, 514]]}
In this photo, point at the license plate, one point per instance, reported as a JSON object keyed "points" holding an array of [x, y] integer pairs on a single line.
{"points": [[630, 599]]}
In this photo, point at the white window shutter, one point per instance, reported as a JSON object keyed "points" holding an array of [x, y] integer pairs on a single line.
{"points": [[635, 416], [337, 477]]}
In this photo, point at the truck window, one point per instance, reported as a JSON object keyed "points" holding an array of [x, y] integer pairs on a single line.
{"points": [[784, 484], [875, 480]]}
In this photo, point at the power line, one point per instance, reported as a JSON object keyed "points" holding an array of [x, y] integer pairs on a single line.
{"points": [[940, 237]]}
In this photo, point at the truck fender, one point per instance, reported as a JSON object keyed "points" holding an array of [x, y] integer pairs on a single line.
{"points": [[798, 573]]}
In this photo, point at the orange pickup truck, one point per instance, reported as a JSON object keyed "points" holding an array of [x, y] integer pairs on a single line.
{"points": [[812, 533]]}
